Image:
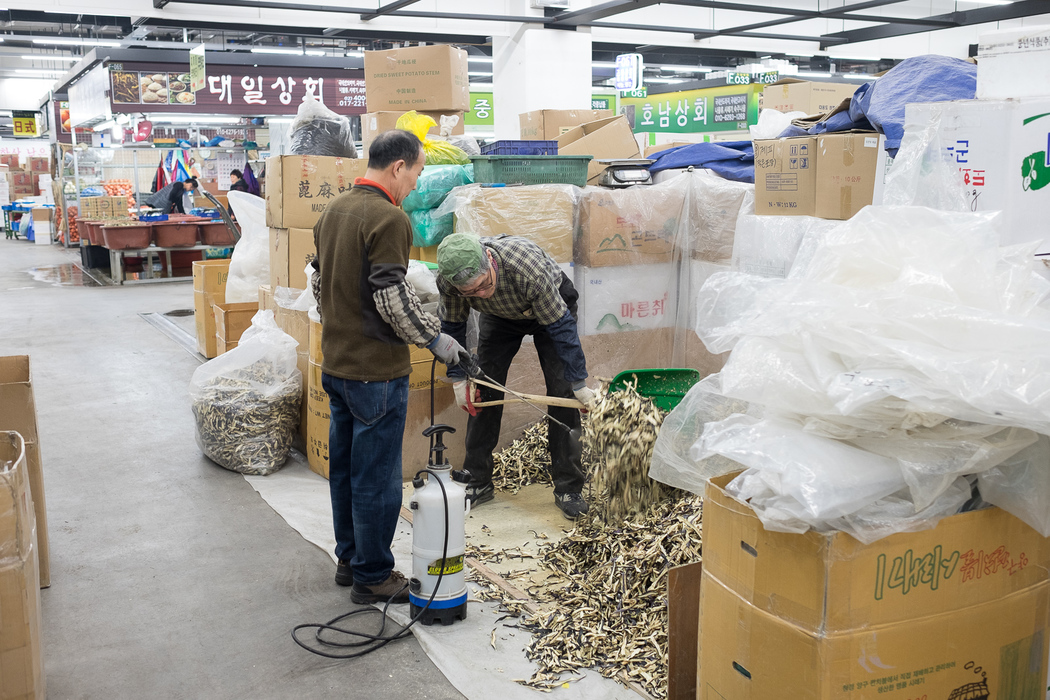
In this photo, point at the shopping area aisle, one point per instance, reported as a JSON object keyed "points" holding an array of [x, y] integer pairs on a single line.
{"points": [[171, 578]]}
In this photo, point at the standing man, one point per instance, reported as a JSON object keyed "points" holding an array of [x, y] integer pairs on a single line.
{"points": [[370, 314], [519, 290]]}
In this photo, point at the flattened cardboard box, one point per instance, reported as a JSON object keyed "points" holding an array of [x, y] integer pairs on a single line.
{"points": [[544, 214], [786, 176], [21, 660], [18, 413], [957, 611], [300, 188], [604, 139], [549, 124], [431, 78]]}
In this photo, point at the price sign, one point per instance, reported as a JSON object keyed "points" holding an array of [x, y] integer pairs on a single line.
{"points": [[25, 124]]}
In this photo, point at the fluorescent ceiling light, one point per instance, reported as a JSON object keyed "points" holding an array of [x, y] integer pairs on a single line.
{"points": [[475, 72], [38, 71], [479, 59], [990, 2], [104, 125], [292, 52], [279, 120], [819, 73], [602, 64], [48, 57], [316, 52], [685, 69], [664, 80], [78, 42], [355, 54]]}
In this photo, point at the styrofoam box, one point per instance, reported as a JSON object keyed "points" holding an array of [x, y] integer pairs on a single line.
{"points": [[1014, 63], [1002, 150], [626, 298]]}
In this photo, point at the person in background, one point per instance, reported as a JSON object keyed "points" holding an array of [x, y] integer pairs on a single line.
{"points": [[176, 194], [370, 315], [519, 290], [237, 183]]}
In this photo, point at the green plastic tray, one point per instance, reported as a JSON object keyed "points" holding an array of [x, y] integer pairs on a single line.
{"points": [[531, 170], [665, 387]]}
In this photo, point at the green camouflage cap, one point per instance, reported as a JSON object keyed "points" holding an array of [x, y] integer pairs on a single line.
{"points": [[461, 259]]}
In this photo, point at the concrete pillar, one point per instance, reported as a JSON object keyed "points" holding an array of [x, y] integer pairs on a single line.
{"points": [[536, 68]]}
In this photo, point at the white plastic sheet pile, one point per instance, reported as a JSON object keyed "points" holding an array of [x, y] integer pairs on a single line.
{"points": [[904, 358]]}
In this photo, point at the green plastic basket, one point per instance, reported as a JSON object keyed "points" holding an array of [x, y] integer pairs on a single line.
{"points": [[666, 387], [531, 170]]}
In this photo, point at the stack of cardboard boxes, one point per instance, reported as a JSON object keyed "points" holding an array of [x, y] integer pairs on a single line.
{"points": [[428, 79], [24, 181]]}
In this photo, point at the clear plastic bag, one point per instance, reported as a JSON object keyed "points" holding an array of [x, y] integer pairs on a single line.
{"points": [[767, 245], [468, 144], [772, 123], [922, 172], [715, 206], [246, 402], [250, 262], [318, 131], [1021, 485], [423, 281]]}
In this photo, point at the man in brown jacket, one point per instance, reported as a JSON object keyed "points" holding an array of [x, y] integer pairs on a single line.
{"points": [[370, 314]]}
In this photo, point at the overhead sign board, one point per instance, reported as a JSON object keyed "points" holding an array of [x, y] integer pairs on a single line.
{"points": [[628, 71], [26, 124], [197, 75]]}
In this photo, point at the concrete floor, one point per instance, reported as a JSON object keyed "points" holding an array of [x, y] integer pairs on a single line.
{"points": [[171, 578]]}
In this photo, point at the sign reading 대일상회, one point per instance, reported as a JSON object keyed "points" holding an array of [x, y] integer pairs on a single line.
{"points": [[233, 90]]}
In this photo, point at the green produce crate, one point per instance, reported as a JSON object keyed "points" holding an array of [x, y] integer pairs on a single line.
{"points": [[531, 170]]}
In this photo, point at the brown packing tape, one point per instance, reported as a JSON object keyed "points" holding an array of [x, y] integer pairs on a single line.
{"points": [[845, 200]]}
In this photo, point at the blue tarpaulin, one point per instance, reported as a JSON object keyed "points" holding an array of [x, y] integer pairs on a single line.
{"points": [[733, 160]]}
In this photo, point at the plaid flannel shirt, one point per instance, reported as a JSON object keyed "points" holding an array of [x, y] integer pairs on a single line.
{"points": [[527, 286]]}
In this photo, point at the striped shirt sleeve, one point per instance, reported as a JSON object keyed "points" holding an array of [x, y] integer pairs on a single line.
{"points": [[401, 309]]}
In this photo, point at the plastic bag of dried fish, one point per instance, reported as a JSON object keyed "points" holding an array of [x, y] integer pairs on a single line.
{"points": [[246, 402]]}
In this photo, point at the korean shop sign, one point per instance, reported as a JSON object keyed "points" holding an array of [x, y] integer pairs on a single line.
{"points": [[197, 69], [234, 90], [728, 108], [480, 113]]}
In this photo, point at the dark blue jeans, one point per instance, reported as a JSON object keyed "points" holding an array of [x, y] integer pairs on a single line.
{"points": [[364, 450]]}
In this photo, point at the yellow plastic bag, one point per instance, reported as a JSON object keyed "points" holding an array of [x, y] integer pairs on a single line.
{"points": [[437, 152]]}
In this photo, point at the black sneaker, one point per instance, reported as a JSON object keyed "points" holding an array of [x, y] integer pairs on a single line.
{"points": [[394, 589], [480, 493], [572, 505], [344, 575]]}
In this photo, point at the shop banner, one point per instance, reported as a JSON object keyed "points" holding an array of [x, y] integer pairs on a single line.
{"points": [[232, 90], [25, 124], [480, 113], [197, 77], [603, 102], [728, 108]]}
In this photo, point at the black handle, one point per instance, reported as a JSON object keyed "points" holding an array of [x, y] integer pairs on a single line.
{"points": [[437, 446]]}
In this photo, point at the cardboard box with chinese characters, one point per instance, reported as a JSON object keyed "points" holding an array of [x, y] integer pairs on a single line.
{"points": [[209, 288], [957, 611], [299, 188], [794, 95], [629, 226], [851, 171], [786, 176], [290, 251], [18, 413], [231, 320], [549, 124], [544, 214], [1001, 150], [375, 123], [430, 78], [604, 139], [628, 298]]}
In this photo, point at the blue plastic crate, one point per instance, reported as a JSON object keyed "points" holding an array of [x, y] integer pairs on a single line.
{"points": [[153, 217], [521, 148]]}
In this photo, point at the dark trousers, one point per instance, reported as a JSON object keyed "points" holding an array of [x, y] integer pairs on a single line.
{"points": [[498, 342]]}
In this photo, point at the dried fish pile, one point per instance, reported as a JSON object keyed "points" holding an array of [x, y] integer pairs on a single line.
{"points": [[621, 430], [247, 419], [611, 612], [525, 461]]}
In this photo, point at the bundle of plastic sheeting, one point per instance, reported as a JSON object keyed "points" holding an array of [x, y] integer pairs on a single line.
{"points": [[904, 352], [435, 183]]}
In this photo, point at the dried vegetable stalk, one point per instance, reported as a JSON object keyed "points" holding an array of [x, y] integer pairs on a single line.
{"points": [[525, 461]]}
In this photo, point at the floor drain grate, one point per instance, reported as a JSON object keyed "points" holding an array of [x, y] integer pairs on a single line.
{"points": [[180, 313]]}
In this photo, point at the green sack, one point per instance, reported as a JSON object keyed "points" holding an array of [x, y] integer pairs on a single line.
{"points": [[436, 182], [427, 229]]}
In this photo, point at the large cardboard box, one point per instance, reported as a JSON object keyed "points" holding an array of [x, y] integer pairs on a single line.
{"points": [[851, 172], [1013, 63], [628, 298], [786, 176], [375, 123], [629, 226], [20, 648], [318, 419], [715, 206], [544, 214], [1001, 150], [959, 611], [431, 78], [18, 413], [102, 207], [549, 124], [231, 320], [290, 252], [794, 95], [38, 165], [604, 139], [20, 178], [299, 188], [209, 288]]}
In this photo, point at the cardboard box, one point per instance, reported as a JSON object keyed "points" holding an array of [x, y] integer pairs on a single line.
{"points": [[431, 78], [20, 646], [629, 226], [231, 320], [1013, 63], [20, 178], [428, 254], [715, 206], [549, 124], [39, 165], [544, 214], [1000, 148], [851, 172], [786, 176], [290, 252], [18, 414], [299, 188], [102, 207], [318, 420], [958, 611], [604, 139], [375, 123], [209, 288], [628, 298], [794, 95], [10, 160], [266, 302]]}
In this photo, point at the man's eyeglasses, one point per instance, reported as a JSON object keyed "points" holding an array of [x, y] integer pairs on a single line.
{"points": [[484, 286]]}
